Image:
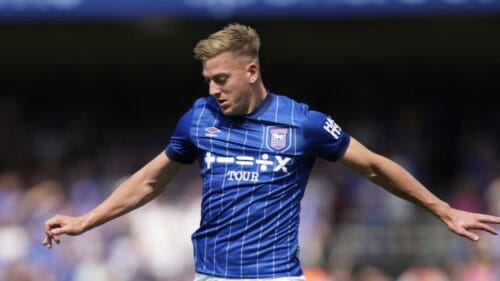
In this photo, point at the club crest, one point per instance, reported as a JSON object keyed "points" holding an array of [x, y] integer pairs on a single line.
{"points": [[278, 138]]}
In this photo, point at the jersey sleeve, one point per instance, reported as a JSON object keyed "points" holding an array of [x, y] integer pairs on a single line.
{"points": [[181, 148], [323, 137]]}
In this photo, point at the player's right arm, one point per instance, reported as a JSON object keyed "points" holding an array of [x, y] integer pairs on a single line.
{"points": [[137, 190]]}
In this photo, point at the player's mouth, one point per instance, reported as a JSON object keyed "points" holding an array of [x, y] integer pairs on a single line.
{"points": [[223, 103]]}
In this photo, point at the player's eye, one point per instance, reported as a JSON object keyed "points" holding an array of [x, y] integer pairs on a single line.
{"points": [[220, 80]]}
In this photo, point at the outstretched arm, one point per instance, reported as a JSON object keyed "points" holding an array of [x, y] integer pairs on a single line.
{"points": [[394, 178], [139, 189]]}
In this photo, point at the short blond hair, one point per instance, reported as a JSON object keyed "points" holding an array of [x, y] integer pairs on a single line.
{"points": [[235, 37]]}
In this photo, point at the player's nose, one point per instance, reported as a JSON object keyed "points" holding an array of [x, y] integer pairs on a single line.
{"points": [[214, 89]]}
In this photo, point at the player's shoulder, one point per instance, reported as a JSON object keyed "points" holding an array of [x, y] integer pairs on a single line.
{"points": [[205, 103], [308, 117], [301, 109]]}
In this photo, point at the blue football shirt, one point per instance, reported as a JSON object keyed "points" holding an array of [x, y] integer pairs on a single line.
{"points": [[254, 170]]}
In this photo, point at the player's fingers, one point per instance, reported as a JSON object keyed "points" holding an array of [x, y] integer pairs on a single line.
{"points": [[489, 219], [49, 227], [47, 241], [467, 234], [50, 224], [60, 230], [485, 227], [46, 227], [471, 236], [47, 231]]}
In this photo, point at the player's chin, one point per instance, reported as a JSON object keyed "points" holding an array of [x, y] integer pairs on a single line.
{"points": [[227, 110], [228, 113]]}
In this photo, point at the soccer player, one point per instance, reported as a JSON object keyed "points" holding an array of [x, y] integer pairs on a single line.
{"points": [[255, 149]]}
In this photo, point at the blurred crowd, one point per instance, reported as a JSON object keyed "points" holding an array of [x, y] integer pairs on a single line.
{"points": [[351, 230]]}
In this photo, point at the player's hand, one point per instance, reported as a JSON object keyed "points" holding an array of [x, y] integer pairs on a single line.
{"points": [[462, 222], [61, 224]]}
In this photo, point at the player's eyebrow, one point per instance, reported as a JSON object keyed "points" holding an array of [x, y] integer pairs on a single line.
{"points": [[207, 77]]}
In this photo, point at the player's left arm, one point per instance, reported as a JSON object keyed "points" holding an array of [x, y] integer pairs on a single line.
{"points": [[397, 180]]}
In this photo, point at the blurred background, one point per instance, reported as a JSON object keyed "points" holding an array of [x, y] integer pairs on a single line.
{"points": [[91, 90]]}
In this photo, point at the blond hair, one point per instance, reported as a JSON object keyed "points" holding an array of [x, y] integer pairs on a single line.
{"points": [[237, 38]]}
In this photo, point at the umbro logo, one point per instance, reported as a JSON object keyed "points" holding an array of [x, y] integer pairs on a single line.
{"points": [[212, 132]]}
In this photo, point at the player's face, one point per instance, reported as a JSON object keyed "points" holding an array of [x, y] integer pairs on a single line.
{"points": [[230, 78]]}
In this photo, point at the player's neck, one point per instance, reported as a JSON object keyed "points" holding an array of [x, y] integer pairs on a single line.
{"points": [[260, 94]]}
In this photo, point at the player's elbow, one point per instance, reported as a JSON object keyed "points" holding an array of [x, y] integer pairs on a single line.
{"points": [[374, 166]]}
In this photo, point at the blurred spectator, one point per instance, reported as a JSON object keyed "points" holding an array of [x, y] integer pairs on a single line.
{"points": [[371, 273], [480, 266], [493, 197], [315, 228], [466, 196], [11, 192], [423, 273], [317, 274]]}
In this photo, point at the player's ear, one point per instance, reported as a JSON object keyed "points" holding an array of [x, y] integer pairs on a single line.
{"points": [[252, 72]]}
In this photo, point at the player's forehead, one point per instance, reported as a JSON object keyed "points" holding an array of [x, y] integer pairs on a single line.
{"points": [[223, 63]]}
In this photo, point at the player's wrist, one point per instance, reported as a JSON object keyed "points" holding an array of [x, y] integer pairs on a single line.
{"points": [[441, 209], [88, 221]]}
